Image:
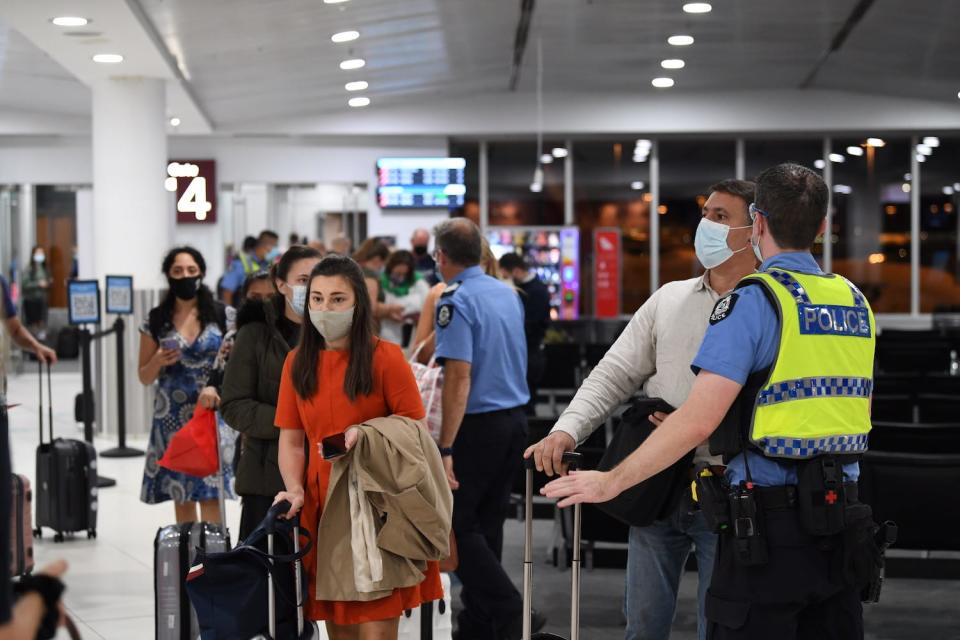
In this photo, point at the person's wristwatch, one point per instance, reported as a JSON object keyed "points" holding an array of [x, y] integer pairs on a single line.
{"points": [[446, 452]]}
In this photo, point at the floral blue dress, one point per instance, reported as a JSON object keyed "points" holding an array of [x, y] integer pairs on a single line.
{"points": [[177, 391]]}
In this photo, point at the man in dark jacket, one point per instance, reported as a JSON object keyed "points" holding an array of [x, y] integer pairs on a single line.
{"points": [[251, 384], [536, 317]]}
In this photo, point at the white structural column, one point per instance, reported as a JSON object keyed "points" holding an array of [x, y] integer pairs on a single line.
{"points": [[132, 221]]}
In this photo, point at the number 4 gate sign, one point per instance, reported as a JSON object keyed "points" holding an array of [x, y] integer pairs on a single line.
{"points": [[195, 183]]}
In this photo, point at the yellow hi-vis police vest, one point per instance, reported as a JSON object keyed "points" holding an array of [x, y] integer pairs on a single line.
{"points": [[250, 265], [816, 400]]}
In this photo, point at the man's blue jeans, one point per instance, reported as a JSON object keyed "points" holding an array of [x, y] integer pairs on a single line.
{"points": [[656, 557]]}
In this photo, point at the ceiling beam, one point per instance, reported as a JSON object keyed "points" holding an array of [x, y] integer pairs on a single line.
{"points": [[856, 15], [520, 40]]}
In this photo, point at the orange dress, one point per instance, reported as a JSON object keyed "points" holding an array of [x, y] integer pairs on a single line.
{"points": [[329, 412]]}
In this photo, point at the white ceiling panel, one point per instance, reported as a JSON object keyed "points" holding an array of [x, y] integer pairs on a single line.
{"points": [[30, 80], [262, 64]]}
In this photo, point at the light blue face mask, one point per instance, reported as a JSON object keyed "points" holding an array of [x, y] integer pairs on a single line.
{"points": [[273, 254], [710, 243], [299, 301]]}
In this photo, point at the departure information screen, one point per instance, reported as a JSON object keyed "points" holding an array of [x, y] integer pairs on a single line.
{"points": [[420, 183]]}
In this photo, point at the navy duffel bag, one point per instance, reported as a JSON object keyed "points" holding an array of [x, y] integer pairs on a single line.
{"points": [[230, 590]]}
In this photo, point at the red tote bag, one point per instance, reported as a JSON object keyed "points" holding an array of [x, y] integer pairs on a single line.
{"points": [[193, 449]]}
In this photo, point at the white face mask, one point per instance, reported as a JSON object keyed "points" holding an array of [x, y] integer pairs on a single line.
{"points": [[39, 257], [710, 243], [298, 299], [332, 325]]}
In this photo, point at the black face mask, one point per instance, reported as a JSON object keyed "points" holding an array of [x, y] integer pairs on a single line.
{"points": [[420, 250], [185, 288]]}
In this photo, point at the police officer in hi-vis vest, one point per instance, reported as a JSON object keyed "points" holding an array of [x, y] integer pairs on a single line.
{"points": [[783, 393]]}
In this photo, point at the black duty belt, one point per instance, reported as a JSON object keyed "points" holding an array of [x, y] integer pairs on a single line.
{"points": [[785, 497]]}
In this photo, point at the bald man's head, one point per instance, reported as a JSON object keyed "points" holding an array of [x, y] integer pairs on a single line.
{"points": [[459, 240]]}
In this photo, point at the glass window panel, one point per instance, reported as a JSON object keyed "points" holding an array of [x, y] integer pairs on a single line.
{"points": [[611, 189], [939, 199], [871, 224], [763, 154], [511, 170], [469, 151], [687, 169]]}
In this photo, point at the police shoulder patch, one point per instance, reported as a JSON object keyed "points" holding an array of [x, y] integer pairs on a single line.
{"points": [[450, 290], [723, 308], [444, 315]]}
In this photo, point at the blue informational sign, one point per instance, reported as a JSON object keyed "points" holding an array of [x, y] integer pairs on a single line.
{"points": [[120, 295], [83, 302]]}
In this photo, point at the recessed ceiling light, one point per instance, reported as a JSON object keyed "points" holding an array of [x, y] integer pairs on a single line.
{"points": [[673, 63], [855, 151], [948, 191], [697, 7], [345, 36], [680, 41], [875, 142], [921, 157], [819, 163], [70, 21], [546, 158], [559, 152], [360, 101], [108, 58], [662, 83], [956, 186], [924, 149], [637, 185], [843, 188], [355, 63], [932, 141], [359, 85], [837, 157], [174, 122]]}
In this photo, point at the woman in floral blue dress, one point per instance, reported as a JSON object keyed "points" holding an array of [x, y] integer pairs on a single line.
{"points": [[179, 344]]}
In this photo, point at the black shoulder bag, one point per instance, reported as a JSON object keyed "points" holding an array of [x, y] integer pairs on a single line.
{"points": [[658, 496]]}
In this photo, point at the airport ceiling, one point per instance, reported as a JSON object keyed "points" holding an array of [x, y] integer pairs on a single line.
{"points": [[248, 61]]}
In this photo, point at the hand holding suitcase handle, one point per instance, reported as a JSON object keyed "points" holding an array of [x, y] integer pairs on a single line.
{"points": [[276, 512], [571, 461]]}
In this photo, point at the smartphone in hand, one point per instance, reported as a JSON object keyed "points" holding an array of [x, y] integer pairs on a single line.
{"points": [[334, 446], [170, 344]]}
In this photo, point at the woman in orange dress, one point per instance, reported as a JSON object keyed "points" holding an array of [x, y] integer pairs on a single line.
{"points": [[341, 375]]}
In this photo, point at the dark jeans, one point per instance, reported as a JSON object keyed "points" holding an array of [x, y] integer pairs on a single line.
{"points": [[800, 594], [486, 457], [536, 362], [253, 511]]}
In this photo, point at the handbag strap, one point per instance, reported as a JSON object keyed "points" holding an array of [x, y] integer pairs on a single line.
{"points": [[260, 533], [416, 352]]}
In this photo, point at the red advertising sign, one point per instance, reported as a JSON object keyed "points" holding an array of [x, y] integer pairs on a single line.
{"points": [[195, 183], [606, 273]]}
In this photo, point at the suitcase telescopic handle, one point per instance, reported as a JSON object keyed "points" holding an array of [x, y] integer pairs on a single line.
{"points": [[572, 460]]}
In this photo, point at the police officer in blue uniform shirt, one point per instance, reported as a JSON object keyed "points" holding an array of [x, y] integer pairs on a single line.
{"points": [[481, 345], [797, 549]]}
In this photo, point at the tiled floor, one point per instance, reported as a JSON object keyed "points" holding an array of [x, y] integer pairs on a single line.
{"points": [[110, 579]]}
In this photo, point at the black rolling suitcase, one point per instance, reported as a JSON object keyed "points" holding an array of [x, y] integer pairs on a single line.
{"points": [[66, 487], [572, 460]]}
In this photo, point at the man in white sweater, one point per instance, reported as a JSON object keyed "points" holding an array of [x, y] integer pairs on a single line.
{"points": [[654, 353]]}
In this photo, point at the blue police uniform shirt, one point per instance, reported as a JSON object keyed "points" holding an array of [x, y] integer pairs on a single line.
{"points": [[480, 320], [234, 277], [745, 341], [9, 308]]}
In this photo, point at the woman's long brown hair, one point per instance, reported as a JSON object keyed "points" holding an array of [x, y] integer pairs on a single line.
{"points": [[359, 378]]}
